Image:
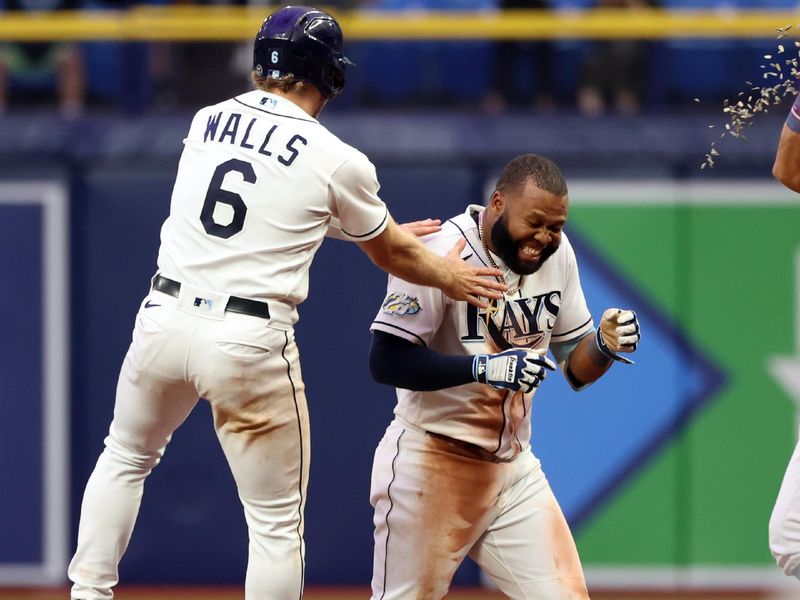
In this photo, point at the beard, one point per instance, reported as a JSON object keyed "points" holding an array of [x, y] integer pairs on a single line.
{"points": [[508, 249]]}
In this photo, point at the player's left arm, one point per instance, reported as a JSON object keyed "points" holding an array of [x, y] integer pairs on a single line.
{"points": [[587, 360], [786, 168]]}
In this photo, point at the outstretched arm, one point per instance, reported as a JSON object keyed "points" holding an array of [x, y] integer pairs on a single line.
{"points": [[400, 253], [417, 228], [787, 159]]}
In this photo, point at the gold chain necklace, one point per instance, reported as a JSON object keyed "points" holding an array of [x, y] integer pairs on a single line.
{"points": [[501, 279]]}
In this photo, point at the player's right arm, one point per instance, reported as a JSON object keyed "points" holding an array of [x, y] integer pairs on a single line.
{"points": [[400, 253], [787, 159], [398, 362]]}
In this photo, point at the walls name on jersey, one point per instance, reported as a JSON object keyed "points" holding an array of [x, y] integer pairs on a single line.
{"points": [[257, 133], [521, 322]]}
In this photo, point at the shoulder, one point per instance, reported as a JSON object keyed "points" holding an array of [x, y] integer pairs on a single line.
{"points": [[353, 166], [453, 230], [563, 263], [204, 115], [566, 249], [223, 105]]}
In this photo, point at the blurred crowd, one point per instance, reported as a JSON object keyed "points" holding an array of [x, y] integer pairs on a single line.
{"points": [[594, 77]]}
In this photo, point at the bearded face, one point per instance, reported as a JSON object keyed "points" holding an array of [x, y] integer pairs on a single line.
{"points": [[525, 254]]}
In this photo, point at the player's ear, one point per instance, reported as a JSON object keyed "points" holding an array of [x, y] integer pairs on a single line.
{"points": [[497, 202]]}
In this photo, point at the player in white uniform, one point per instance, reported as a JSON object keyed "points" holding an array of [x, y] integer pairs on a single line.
{"points": [[784, 523], [259, 184], [454, 475]]}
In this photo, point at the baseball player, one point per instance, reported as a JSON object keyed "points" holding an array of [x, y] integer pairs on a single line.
{"points": [[784, 523], [454, 474], [787, 159], [259, 185]]}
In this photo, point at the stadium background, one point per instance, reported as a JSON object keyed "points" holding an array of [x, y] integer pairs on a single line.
{"points": [[667, 470]]}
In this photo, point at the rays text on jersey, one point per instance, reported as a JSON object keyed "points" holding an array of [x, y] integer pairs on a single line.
{"points": [[521, 322], [258, 133]]}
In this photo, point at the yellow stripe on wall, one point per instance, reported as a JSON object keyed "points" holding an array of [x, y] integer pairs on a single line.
{"points": [[198, 23]]}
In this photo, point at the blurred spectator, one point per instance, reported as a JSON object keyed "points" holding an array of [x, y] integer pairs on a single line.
{"points": [[180, 70], [614, 70], [516, 58], [28, 68]]}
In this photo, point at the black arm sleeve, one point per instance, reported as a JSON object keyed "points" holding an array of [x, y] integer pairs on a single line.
{"points": [[400, 363]]}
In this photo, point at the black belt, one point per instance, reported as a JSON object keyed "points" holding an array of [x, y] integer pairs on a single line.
{"points": [[254, 308]]}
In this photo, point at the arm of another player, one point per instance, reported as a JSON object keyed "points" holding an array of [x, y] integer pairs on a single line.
{"points": [[594, 354], [397, 362], [400, 253], [418, 228], [422, 228], [787, 159]]}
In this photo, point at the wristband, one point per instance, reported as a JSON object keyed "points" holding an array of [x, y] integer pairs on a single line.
{"points": [[793, 120], [606, 351], [479, 364]]}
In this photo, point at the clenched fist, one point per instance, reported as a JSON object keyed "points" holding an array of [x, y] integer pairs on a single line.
{"points": [[618, 332]]}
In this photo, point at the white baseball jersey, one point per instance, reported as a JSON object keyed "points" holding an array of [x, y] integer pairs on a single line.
{"points": [[258, 186], [258, 183], [549, 307]]}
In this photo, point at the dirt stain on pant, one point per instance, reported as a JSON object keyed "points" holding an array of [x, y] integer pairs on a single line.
{"points": [[456, 502]]}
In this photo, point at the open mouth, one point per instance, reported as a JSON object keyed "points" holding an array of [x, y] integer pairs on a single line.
{"points": [[530, 254]]}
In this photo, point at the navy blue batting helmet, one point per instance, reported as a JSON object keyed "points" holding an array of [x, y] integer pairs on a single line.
{"points": [[305, 42]]}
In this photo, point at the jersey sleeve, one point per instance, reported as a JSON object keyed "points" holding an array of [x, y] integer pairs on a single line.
{"points": [[412, 312], [334, 230], [574, 319], [195, 127], [353, 198]]}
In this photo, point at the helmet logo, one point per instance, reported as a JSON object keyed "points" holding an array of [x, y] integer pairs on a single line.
{"points": [[259, 70]]}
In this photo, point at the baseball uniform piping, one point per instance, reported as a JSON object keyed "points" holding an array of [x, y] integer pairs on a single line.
{"points": [[275, 114], [385, 324], [189, 349], [385, 216], [503, 426], [463, 233], [300, 485], [391, 506], [503, 407], [584, 324]]}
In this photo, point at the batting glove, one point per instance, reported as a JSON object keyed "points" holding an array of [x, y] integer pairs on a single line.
{"points": [[618, 332], [512, 370]]}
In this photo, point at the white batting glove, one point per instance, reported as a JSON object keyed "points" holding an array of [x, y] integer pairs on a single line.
{"points": [[618, 332], [514, 370]]}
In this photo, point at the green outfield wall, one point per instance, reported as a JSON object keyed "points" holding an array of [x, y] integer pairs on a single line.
{"points": [[720, 261]]}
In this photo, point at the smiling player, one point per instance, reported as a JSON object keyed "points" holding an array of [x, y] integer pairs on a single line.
{"points": [[454, 474]]}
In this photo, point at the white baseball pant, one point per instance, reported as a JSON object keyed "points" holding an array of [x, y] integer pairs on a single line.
{"points": [[250, 373], [784, 523], [435, 503]]}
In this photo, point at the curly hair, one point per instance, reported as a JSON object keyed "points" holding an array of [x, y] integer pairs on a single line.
{"points": [[285, 83]]}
